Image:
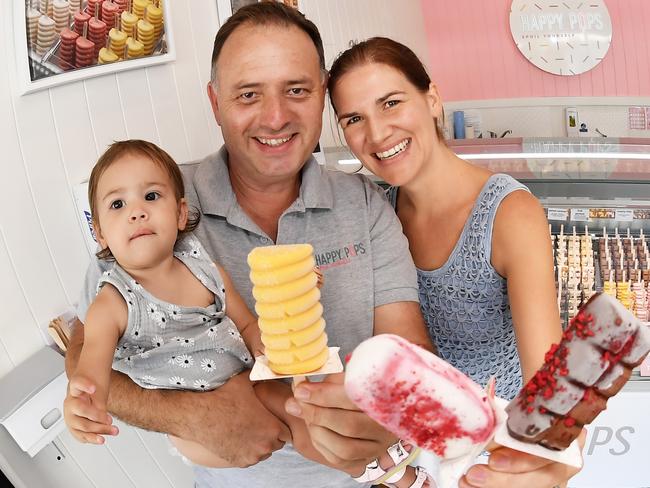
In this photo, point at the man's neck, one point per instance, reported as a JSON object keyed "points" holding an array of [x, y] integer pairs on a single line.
{"points": [[264, 204]]}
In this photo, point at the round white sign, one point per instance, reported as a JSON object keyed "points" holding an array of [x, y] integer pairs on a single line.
{"points": [[563, 37]]}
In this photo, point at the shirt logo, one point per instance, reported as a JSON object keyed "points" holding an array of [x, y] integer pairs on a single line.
{"points": [[340, 256]]}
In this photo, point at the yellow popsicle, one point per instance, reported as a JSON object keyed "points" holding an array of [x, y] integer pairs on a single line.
{"points": [[134, 48], [107, 56], [117, 41], [287, 302]]}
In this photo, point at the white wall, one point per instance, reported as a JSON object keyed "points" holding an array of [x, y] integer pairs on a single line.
{"points": [[49, 142]]}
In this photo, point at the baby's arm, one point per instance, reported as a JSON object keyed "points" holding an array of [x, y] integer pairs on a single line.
{"points": [[238, 312], [105, 323]]}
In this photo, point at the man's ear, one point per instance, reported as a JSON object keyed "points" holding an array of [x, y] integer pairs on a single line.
{"points": [[434, 101], [183, 213], [214, 103]]}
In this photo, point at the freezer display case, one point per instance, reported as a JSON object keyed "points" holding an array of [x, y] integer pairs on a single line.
{"points": [[596, 193]]}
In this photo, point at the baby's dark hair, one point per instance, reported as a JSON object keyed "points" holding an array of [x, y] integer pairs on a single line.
{"points": [[148, 150]]}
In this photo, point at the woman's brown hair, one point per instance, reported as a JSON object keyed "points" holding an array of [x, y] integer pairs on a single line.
{"points": [[148, 150], [382, 50]]}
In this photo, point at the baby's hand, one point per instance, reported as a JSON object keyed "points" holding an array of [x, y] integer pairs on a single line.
{"points": [[257, 347], [320, 277], [85, 414]]}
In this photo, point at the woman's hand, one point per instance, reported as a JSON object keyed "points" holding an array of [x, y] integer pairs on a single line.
{"points": [[515, 469]]}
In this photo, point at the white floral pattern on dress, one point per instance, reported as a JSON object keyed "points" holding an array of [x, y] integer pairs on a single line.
{"points": [[213, 332], [135, 331], [201, 384], [195, 249], [177, 380], [187, 342], [148, 379], [157, 341], [158, 316], [185, 360], [135, 285], [174, 311], [203, 279], [207, 365]]}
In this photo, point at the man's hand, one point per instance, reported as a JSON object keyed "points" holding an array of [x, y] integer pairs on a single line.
{"points": [[241, 431], [86, 415], [342, 433], [229, 420], [516, 469]]}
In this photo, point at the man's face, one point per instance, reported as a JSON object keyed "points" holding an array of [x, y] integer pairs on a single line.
{"points": [[268, 99]]}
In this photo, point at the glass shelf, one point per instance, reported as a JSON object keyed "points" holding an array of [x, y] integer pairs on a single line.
{"points": [[538, 158]]}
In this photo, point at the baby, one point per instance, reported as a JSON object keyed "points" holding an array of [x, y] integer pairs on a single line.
{"points": [[165, 314]]}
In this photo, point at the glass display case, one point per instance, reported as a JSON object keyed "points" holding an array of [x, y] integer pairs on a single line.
{"points": [[596, 193]]}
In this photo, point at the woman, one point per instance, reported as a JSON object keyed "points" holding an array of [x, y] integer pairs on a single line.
{"points": [[479, 240]]}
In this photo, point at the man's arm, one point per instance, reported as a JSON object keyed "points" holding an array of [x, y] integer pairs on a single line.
{"points": [[403, 319], [229, 420], [339, 430]]}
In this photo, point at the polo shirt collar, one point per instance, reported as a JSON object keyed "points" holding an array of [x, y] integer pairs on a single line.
{"points": [[216, 197], [315, 188], [212, 184]]}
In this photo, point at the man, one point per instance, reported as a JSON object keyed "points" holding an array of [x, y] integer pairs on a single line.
{"points": [[267, 94]]}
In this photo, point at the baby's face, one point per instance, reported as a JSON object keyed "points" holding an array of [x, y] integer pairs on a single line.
{"points": [[137, 212]]}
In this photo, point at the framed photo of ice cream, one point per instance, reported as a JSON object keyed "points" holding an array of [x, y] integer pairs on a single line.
{"points": [[59, 41]]}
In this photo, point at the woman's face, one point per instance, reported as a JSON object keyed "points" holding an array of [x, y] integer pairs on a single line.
{"points": [[387, 122]]}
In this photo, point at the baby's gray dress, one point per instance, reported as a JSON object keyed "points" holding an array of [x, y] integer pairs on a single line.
{"points": [[170, 346]]}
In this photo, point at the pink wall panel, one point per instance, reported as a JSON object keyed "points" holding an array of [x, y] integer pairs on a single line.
{"points": [[474, 57]]}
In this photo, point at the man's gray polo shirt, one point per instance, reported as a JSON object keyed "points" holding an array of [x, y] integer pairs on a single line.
{"points": [[359, 246]]}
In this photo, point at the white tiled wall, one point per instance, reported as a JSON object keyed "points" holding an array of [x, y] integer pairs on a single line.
{"points": [[49, 142]]}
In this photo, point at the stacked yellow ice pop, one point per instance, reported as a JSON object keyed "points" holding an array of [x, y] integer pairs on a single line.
{"points": [[287, 301]]}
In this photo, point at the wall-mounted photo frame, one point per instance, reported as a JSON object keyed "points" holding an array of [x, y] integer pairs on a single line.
{"points": [[61, 41]]}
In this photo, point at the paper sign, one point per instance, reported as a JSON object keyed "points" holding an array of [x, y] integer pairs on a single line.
{"points": [[262, 371], [624, 214], [637, 118], [558, 214], [570, 456], [580, 214], [451, 470], [80, 192]]}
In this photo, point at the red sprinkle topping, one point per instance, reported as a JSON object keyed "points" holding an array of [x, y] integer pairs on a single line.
{"points": [[569, 422]]}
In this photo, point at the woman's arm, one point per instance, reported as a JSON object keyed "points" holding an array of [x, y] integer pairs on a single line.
{"points": [[521, 252]]}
